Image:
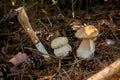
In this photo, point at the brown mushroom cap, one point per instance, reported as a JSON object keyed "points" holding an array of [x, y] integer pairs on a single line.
{"points": [[59, 42], [87, 32]]}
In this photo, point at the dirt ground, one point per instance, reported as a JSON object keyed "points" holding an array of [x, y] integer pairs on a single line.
{"points": [[58, 21]]}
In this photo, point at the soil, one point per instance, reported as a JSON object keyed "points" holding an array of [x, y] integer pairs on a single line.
{"points": [[57, 22]]}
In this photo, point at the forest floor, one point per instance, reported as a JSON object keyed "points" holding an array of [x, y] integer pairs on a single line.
{"points": [[60, 22]]}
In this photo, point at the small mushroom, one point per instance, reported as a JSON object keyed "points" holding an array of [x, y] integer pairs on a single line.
{"points": [[61, 46], [87, 46]]}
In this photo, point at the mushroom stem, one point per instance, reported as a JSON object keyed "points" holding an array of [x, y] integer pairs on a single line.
{"points": [[86, 48], [63, 51], [61, 46]]}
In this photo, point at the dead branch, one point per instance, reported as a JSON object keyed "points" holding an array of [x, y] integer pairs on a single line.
{"points": [[106, 73]]}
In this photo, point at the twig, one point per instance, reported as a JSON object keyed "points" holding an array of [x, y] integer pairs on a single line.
{"points": [[72, 67], [66, 74], [45, 12], [112, 29], [73, 13], [59, 66], [30, 77], [46, 27], [104, 12], [58, 70], [49, 21], [22, 72], [53, 76], [109, 24], [47, 77]]}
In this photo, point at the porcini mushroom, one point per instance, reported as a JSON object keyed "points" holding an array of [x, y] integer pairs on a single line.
{"points": [[61, 46], [87, 46]]}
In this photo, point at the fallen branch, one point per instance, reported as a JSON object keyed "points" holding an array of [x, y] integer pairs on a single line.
{"points": [[107, 73]]}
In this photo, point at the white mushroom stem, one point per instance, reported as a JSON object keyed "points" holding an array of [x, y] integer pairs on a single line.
{"points": [[63, 51], [86, 48]]}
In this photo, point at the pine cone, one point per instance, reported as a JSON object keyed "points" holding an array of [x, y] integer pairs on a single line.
{"points": [[32, 62], [71, 35], [5, 70]]}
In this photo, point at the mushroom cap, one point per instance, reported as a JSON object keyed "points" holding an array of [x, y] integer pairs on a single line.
{"points": [[59, 42], [86, 48], [87, 32], [63, 51]]}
